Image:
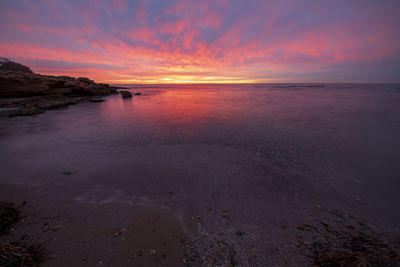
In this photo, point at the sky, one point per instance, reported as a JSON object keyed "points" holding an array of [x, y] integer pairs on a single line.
{"points": [[207, 41]]}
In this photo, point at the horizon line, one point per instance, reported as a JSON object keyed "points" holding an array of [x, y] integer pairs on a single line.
{"points": [[244, 83]]}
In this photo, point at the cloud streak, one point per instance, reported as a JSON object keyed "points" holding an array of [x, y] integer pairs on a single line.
{"points": [[124, 41]]}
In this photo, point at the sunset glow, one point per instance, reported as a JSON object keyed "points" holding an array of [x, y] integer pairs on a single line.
{"points": [[124, 41]]}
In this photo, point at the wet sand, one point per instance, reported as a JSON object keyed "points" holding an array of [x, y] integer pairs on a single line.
{"points": [[149, 195], [111, 234]]}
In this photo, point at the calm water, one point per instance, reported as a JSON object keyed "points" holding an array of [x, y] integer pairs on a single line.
{"points": [[347, 134]]}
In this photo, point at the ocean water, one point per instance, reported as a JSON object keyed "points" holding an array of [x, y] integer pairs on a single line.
{"points": [[179, 136]]}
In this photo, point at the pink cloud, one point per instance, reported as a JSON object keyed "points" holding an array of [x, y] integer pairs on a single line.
{"points": [[184, 38]]}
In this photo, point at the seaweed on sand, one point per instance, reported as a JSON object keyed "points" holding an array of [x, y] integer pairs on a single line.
{"points": [[11, 253]]}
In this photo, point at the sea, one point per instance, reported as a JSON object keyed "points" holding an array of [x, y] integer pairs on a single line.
{"points": [[347, 135]]}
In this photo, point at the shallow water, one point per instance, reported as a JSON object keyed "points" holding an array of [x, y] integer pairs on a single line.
{"points": [[176, 137]]}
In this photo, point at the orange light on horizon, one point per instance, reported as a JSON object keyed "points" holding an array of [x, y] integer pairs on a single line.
{"points": [[190, 80]]}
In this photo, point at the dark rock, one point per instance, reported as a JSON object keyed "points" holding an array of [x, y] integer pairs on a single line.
{"points": [[84, 88], [240, 233], [54, 103], [96, 100], [225, 215], [56, 84], [9, 214], [27, 110], [6, 64], [125, 94], [38, 105], [113, 90], [137, 93], [85, 80], [21, 84], [64, 78]]}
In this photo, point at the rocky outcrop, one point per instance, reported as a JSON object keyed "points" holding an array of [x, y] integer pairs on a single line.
{"points": [[46, 91], [36, 105], [125, 94], [21, 84], [17, 80], [24, 84]]}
